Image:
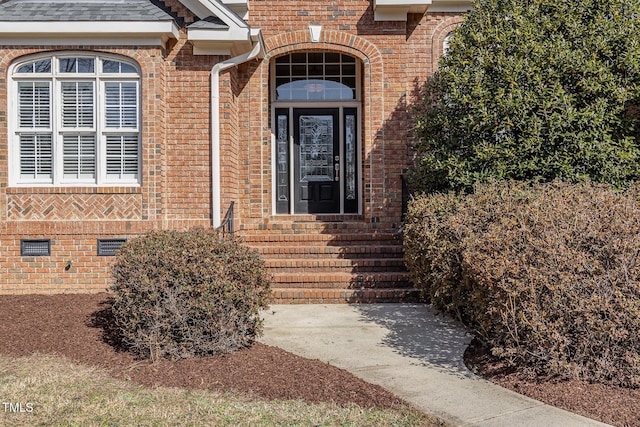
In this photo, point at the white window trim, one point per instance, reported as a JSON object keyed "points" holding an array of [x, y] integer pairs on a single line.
{"points": [[101, 131]]}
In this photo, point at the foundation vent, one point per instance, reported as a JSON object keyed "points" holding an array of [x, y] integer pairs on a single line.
{"points": [[108, 247], [35, 247]]}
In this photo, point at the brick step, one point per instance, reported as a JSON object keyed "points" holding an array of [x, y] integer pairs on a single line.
{"points": [[318, 235], [359, 265], [324, 218], [323, 223], [321, 239], [321, 227], [341, 280], [332, 262], [341, 296], [330, 252]]}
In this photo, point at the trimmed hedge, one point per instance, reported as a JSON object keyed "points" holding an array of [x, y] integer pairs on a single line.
{"points": [[186, 294], [534, 90], [548, 275]]}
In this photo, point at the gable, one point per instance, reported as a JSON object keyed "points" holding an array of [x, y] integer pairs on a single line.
{"points": [[220, 31]]}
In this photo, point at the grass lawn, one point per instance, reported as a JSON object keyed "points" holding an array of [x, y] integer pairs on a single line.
{"points": [[47, 390]]}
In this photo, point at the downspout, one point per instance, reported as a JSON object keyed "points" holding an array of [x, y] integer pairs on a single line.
{"points": [[256, 52]]}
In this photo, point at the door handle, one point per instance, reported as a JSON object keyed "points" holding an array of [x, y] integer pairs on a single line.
{"points": [[336, 166]]}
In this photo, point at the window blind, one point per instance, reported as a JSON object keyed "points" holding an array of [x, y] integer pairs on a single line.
{"points": [[77, 104], [79, 153], [34, 104], [122, 156], [121, 100], [35, 156]]}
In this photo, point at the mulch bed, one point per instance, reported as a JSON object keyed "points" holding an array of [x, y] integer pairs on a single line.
{"points": [[77, 327], [609, 404]]}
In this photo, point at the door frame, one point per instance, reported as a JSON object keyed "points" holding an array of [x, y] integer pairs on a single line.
{"points": [[340, 106]]}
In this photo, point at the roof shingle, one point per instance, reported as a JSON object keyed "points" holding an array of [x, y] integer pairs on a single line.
{"points": [[83, 10], [210, 23]]}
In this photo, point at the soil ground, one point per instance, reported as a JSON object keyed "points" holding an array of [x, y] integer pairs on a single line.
{"points": [[612, 405], [77, 327]]}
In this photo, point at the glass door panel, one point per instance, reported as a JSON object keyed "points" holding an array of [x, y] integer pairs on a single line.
{"points": [[316, 148], [316, 160]]}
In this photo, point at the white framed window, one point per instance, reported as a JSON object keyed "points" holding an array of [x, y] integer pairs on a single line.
{"points": [[75, 120]]}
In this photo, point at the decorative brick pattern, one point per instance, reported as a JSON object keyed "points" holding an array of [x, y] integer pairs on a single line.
{"points": [[40, 207]]}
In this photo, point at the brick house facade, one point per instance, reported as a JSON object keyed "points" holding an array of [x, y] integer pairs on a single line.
{"points": [[123, 117]]}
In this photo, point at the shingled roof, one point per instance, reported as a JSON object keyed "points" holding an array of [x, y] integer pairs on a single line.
{"points": [[217, 30], [209, 23], [83, 10]]}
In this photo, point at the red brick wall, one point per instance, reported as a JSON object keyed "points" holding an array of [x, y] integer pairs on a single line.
{"points": [[253, 192], [231, 144], [175, 190], [396, 58], [176, 170], [187, 145]]}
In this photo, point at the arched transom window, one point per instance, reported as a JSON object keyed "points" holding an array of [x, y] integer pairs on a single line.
{"points": [[315, 76], [75, 120]]}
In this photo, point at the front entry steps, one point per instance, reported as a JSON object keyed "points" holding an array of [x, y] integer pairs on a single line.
{"points": [[316, 266]]}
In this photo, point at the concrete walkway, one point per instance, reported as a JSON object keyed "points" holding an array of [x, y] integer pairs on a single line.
{"points": [[412, 352]]}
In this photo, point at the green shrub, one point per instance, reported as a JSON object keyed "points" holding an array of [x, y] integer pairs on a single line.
{"points": [[534, 90], [548, 275], [186, 294]]}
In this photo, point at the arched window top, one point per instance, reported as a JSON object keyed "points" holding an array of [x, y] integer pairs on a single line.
{"points": [[35, 67], [315, 76], [76, 64], [117, 67]]}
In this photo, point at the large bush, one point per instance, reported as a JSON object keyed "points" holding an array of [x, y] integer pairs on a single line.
{"points": [[185, 294], [547, 275], [534, 90]]}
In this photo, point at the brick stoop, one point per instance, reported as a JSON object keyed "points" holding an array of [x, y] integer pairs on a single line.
{"points": [[320, 263]]}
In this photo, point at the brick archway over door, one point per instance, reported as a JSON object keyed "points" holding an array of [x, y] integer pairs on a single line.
{"points": [[372, 94]]}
